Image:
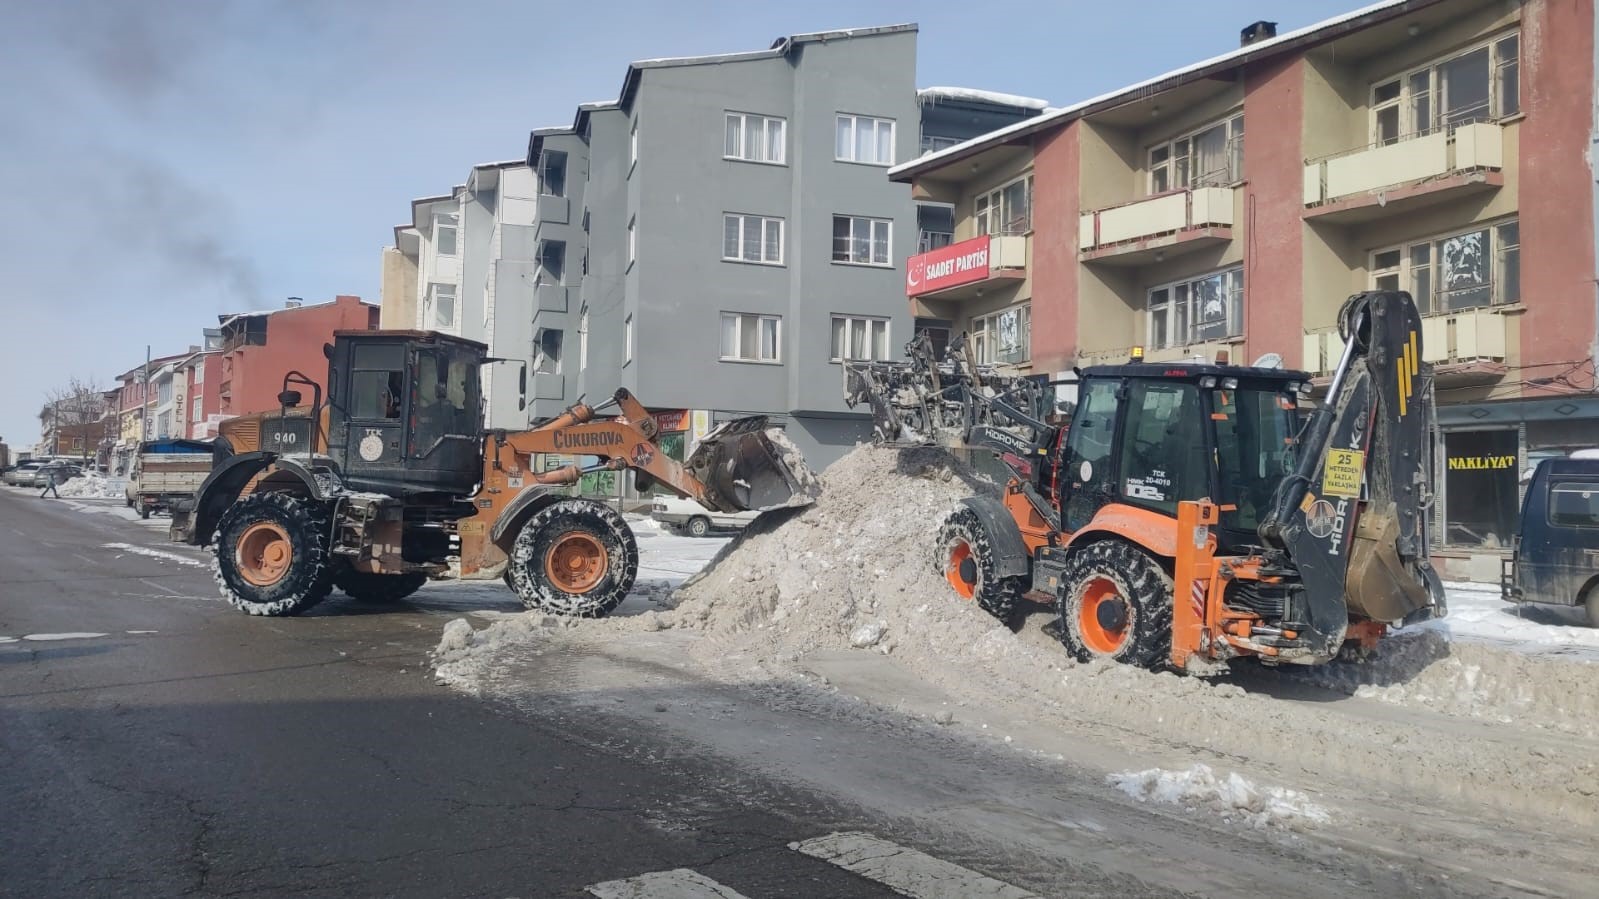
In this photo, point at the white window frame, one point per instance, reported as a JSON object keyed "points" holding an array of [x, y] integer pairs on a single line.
{"points": [[451, 222], [1233, 283], [1416, 108], [744, 122], [850, 123], [437, 289], [199, 372], [751, 319], [1174, 170], [627, 340], [742, 222], [196, 409], [871, 240], [632, 241], [1419, 265], [984, 336], [871, 325], [632, 147], [984, 204], [583, 339]]}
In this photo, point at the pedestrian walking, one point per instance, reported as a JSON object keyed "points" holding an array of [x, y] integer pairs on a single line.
{"points": [[50, 472]]}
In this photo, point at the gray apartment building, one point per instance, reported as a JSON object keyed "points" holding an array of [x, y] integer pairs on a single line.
{"points": [[719, 237]]}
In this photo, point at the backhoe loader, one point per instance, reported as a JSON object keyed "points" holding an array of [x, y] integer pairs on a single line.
{"points": [[394, 481], [1190, 513]]}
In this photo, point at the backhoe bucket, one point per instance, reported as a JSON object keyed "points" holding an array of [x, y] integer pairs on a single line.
{"points": [[747, 467]]}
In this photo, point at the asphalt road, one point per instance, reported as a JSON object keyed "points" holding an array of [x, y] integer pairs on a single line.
{"points": [[191, 750]]}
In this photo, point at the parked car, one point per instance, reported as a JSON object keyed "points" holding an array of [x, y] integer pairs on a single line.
{"points": [[1556, 557], [24, 474], [694, 519]]}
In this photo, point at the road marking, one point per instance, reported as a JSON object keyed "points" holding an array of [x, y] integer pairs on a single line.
{"points": [[677, 884], [141, 633], [77, 635], [167, 590], [906, 871]]}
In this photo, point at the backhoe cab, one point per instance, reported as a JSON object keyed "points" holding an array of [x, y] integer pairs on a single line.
{"points": [[396, 482], [1192, 513]]}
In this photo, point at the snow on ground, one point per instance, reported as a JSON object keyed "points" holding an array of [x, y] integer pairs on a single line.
{"points": [[159, 554], [93, 485], [1477, 613], [1232, 797]]}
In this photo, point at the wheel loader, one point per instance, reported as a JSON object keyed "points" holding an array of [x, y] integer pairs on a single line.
{"points": [[395, 481], [1190, 513]]}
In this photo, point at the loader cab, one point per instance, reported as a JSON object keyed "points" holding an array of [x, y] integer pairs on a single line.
{"points": [[405, 411], [1153, 435]]}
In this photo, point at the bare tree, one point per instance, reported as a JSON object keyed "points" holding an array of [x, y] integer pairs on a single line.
{"points": [[75, 415]]}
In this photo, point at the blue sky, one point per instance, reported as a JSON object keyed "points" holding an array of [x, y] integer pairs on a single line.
{"points": [[164, 161]]}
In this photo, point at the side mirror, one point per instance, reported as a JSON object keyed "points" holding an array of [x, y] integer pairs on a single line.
{"points": [[521, 386], [289, 398]]}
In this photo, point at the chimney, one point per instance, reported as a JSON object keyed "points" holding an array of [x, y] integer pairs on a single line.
{"points": [[293, 303], [1256, 32]]}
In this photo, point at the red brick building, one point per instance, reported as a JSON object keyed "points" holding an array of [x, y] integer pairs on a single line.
{"points": [[1434, 146], [259, 348]]}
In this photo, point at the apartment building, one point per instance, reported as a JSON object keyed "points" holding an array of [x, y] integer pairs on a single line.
{"points": [[728, 237], [259, 348], [1429, 145]]}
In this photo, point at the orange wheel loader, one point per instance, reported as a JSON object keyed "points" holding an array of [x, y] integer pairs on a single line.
{"points": [[1191, 513]]}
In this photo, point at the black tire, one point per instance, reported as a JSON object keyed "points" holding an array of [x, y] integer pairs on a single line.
{"points": [[965, 561], [698, 526], [1590, 606], [308, 577], [368, 587], [144, 511], [590, 593], [1140, 592]]}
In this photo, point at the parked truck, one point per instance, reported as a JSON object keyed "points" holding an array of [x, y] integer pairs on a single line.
{"points": [[1556, 556], [165, 473]]}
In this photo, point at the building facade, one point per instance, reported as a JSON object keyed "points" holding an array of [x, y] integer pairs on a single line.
{"points": [[258, 348], [743, 294], [1434, 146]]}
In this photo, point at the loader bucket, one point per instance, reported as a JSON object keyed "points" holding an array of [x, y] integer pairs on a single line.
{"points": [[747, 468]]}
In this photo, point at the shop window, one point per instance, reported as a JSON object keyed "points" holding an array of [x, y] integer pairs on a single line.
{"points": [[1481, 493]]}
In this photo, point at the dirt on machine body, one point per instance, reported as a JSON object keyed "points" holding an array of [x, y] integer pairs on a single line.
{"points": [[1183, 514], [394, 481]]}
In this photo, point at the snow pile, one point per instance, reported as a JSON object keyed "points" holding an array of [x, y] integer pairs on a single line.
{"points": [[1232, 797], [159, 554], [91, 485], [1477, 614], [973, 95]]}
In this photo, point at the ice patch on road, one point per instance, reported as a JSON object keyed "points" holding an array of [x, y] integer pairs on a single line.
{"points": [[1231, 796], [161, 554], [78, 635]]}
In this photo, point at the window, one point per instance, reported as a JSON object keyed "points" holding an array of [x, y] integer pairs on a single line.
{"points": [[632, 240], [752, 238], [864, 139], [747, 337], [196, 412], [1159, 466], [77, 444], [857, 337], [1574, 504], [164, 392], [1006, 210], [1090, 439], [199, 372], [1210, 307], [1481, 495], [1005, 337], [932, 144], [377, 394], [755, 138], [1480, 84], [444, 227], [442, 298], [627, 340], [552, 173], [583, 340], [1481, 267], [864, 241], [1213, 156], [632, 146], [552, 259], [547, 358]]}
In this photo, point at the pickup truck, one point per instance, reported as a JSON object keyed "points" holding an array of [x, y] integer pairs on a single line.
{"points": [[166, 471]]}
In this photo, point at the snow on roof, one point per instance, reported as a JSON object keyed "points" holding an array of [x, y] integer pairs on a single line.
{"points": [[509, 163], [973, 95], [1001, 134]]}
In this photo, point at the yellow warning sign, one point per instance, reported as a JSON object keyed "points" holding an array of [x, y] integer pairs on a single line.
{"points": [[1341, 475]]}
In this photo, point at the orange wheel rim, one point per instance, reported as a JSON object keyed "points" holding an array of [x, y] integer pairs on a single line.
{"points": [[265, 553], [960, 555], [576, 562], [1102, 616]]}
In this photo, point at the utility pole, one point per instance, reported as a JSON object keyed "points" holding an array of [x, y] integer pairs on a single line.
{"points": [[144, 399]]}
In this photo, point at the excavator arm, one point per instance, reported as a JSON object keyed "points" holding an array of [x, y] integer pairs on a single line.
{"points": [[1351, 519]]}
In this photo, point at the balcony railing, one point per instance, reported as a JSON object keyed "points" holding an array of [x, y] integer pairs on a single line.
{"points": [[1168, 213], [1454, 148], [1447, 338]]}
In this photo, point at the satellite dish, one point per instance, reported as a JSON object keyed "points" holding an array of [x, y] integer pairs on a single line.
{"points": [[1270, 360]]}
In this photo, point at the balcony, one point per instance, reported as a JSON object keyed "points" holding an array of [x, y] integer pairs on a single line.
{"points": [[1445, 164], [1466, 348], [965, 269], [1144, 231], [548, 386], [554, 210]]}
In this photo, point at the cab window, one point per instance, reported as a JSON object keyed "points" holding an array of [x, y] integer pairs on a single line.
{"points": [[1574, 504], [1163, 450]]}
